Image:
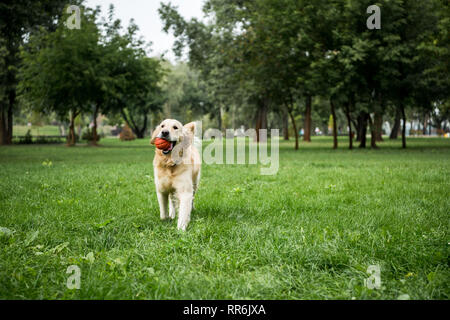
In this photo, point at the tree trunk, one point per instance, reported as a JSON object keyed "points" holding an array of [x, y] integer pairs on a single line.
{"points": [[307, 123], [9, 132], [257, 125], [359, 126], [333, 114], [71, 138], [438, 124], [378, 124], [233, 117], [295, 129], [402, 108], [425, 124], [63, 129], [11, 64], [219, 119], [2, 125], [373, 134], [94, 128], [396, 127], [349, 123], [141, 133], [285, 118], [362, 119], [261, 118]]}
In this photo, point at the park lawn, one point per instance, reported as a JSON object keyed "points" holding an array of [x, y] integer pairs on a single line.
{"points": [[309, 232], [36, 130]]}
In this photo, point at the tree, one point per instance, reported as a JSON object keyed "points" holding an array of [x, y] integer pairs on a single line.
{"points": [[60, 70], [133, 80], [138, 92], [215, 52], [288, 51], [17, 19], [187, 94], [410, 31]]}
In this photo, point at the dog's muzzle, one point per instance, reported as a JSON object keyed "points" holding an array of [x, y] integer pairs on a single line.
{"points": [[165, 135]]}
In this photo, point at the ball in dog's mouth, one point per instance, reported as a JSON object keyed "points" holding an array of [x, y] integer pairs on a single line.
{"points": [[164, 145], [172, 145]]}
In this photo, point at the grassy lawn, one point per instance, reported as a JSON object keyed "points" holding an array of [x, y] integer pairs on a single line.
{"points": [[309, 232], [36, 131]]}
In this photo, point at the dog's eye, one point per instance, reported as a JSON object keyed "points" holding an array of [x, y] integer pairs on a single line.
{"points": [[162, 126], [175, 127]]}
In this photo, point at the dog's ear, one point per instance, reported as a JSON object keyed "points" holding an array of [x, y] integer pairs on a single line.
{"points": [[188, 132], [154, 134], [190, 127]]}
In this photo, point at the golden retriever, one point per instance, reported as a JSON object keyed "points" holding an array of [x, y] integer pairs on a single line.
{"points": [[177, 170]]}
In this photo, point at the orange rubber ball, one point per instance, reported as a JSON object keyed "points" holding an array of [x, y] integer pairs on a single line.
{"points": [[162, 144]]}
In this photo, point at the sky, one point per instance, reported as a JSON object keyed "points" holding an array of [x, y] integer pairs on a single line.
{"points": [[145, 15]]}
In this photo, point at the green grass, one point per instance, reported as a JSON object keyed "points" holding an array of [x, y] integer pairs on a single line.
{"points": [[309, 232], [36, 131]]}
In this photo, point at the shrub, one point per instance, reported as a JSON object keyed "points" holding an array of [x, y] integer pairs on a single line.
{"points": [[126, 134], [47, 140]]}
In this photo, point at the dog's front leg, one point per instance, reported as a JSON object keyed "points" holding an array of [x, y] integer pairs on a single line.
{"points": [[184, 214], [162, 199], [172, 205]]}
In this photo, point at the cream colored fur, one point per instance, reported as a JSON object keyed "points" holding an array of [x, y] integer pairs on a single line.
{"points": [[177, 174]]}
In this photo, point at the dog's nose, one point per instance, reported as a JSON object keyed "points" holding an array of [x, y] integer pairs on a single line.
{"points": [[165, 133]]}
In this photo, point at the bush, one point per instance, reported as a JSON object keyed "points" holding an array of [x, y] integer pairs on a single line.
{"points": [[28, 139], [47, 140], [126, 134]]}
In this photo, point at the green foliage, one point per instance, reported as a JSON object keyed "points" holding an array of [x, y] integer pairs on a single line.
{"points": [[60, 68], [97, 68], [19, 19], [285, 51], [133, 82], [187, 96]]}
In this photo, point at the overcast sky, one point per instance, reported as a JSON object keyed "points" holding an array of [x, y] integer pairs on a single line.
{"points": [[145, 15]]}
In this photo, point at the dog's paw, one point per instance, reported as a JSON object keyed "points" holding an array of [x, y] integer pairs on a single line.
{"points": [[182, 226], [172, 213]]}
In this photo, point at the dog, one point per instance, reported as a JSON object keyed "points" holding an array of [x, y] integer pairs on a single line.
{"points": [[176, 170]]}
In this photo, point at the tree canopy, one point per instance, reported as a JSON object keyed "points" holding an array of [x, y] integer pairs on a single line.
{"points": [[286, 52]]}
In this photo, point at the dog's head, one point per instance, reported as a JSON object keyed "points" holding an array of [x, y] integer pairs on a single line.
{"points": [[174, 132]]}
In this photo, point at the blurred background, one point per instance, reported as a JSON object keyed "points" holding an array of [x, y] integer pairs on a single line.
{"points": [[86, 70]]}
